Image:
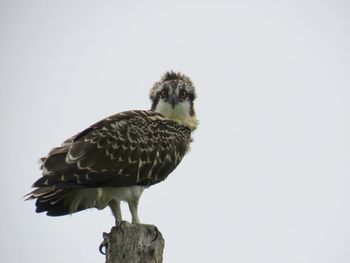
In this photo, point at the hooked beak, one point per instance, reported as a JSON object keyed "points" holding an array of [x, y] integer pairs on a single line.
{"points": [[174, 100]]}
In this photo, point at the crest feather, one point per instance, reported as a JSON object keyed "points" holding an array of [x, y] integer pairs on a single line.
{"points": [[172, 75]]}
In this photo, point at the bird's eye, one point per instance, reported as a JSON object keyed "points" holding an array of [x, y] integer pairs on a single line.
{"points": [[183, 94], [164, 93]]}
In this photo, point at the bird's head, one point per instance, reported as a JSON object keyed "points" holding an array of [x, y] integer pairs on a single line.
{"points": [[173, 97]]}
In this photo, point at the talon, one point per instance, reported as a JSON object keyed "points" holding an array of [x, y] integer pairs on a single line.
{"points": [[156, 235], [103, 245]]}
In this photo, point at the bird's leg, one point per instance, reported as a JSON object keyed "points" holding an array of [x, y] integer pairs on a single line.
{"points": [[133, 203], [115, 207]]}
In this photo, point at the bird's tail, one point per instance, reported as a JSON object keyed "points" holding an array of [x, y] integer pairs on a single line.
{"points": [[59, 201], [52, 200]]}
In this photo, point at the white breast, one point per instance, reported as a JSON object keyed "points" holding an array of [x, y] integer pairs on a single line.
{"points": [[101, 197], [120, 193]]}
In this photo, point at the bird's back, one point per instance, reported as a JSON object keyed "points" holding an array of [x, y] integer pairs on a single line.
{"points": [[132, 148]]}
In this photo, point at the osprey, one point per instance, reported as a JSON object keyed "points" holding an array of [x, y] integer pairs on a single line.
{"points": [[118, 157]]}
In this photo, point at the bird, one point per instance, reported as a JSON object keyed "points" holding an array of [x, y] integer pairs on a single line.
{"points": [[117, 158]]}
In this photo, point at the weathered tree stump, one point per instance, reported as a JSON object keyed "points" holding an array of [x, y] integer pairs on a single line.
{"points": [[133, 243]]}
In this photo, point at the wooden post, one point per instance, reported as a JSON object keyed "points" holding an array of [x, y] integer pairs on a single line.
{"points": [[133, 243]]}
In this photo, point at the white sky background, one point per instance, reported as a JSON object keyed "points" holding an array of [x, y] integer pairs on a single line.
{"points": [[267, 179]]}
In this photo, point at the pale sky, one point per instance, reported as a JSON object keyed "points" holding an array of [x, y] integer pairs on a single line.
{"points": [[267, 179]]}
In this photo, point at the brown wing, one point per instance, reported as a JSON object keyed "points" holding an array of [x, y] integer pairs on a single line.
{"points": [[129, 148]]}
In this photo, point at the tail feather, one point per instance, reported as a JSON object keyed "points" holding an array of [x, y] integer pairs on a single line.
{"points": [[50, 200], [56, 209], [57, 201]]}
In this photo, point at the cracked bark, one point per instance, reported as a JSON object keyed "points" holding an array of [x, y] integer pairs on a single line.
{"points": [[133, 243]]}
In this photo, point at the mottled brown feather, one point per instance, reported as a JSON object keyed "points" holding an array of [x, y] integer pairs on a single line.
{"points": [[109, 153]]}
